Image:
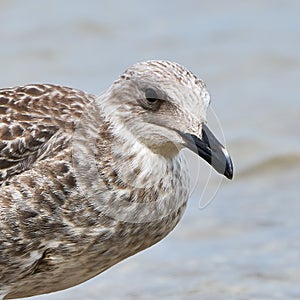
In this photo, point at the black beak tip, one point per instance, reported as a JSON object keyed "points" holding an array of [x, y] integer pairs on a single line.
{"points": [[228, 172], [211, 150], [229, 175]]}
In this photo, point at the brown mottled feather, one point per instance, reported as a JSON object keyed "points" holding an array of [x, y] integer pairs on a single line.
{"points": [[56, 230], [34, 121], [83, 183]]}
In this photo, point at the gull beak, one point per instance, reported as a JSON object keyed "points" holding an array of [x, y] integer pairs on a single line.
{"points": [[211, 150]]}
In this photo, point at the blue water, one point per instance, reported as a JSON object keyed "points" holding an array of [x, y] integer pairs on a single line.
{"points": [[245, 243]]}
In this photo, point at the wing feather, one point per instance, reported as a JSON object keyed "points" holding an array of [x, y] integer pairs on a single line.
{"points": [[36, 121]]}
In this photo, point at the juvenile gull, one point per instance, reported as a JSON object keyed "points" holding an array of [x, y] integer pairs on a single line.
{"points": [[87, 181]]}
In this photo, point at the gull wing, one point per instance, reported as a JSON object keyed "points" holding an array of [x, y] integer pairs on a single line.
{"points": [[36, 121]]}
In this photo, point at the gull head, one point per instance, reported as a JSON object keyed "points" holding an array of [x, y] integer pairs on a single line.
{"points": [[163, 105]]}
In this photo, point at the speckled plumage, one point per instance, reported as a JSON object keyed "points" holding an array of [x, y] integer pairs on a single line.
{"points": [[87, 181]]}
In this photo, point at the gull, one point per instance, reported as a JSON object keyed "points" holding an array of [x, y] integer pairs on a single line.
{"points": [[87, 181]]}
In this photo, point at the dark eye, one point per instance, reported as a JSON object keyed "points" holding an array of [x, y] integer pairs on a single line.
{"points": [[151, 95]]}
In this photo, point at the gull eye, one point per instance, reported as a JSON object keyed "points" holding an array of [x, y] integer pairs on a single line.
{"points": [[152, 100], [151, 95]]}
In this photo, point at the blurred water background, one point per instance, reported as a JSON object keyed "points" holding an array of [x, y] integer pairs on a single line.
{"points": [[245, 244]]}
